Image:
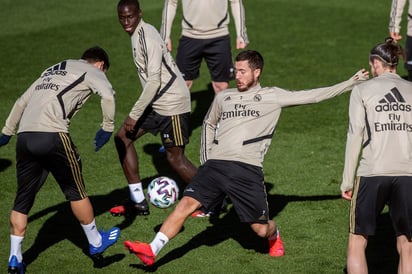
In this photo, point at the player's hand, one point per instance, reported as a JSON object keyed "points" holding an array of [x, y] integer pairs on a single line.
{"points": [[4, 139], [240, 43], [129, 124], [169, 44], [396, 36], [101, 138], [347, 195], [361, 75]]}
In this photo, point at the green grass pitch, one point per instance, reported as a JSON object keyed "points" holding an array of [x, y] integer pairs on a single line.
{"points": [[305, 44]]}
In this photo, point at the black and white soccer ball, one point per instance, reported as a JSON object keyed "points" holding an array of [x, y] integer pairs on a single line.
{"points": [[162, 192]]}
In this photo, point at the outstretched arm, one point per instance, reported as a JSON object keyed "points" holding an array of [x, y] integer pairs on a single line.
{"points": [[291, 98]]}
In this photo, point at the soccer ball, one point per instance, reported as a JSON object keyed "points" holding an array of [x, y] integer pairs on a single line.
{"points": [[162, 192]]}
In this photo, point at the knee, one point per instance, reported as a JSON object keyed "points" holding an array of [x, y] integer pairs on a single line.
{"points": [[120, 143], [404, 245], [119, 136], [262, 230], [219, 86], [174, 158], [187, 206]]}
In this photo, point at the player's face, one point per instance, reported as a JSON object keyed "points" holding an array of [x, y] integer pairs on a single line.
{"points": [[129, 17], [245, 76]]}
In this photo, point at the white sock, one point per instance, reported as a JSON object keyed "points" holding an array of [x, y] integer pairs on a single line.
{"points": [[136, 192], [92, 234], [15, 247], [158, 242]]}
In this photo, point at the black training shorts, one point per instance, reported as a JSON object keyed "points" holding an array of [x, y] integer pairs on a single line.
{"points": [[215, 51], [242, 183], [174, 130], [39, 153], [370, 196]]}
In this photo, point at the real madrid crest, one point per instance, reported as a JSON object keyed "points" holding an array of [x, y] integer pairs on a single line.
{"points": [[257, 98]]}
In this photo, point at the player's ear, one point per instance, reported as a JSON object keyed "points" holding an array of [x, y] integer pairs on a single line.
{"points": [[375, 63], [257, 72], [100, 65]]}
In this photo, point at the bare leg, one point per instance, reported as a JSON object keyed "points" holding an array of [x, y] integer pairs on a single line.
{"points": [[219, 86], [128, 155], [174, 222], [18, 226], [404, 246], [130, 164], [18, 223], [356, 258], [83, 211], [264, 230], [179, 162]]}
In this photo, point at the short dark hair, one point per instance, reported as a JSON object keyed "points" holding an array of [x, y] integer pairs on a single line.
{"points": [[254, 58], [96, 54], [129, 3], [387, 52]]}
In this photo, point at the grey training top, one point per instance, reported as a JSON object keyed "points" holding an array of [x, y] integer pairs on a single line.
{"points": [[239, 125], [205, 19], [56, 96], [163, 85], [380, 129]]}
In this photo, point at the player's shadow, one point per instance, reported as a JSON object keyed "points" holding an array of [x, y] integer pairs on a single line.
{"points": [[4, 164], [62, 225], [228, 226], [203, 99], [381, 254]]}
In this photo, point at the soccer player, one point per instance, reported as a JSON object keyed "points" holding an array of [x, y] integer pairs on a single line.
{"points": [[379, 134], [395, 18], [205, 35], [44, 146], [163, 106], [232, 154]]}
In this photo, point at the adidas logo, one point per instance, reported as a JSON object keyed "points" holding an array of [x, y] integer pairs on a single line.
{"points": [[393, 101], [113, 235], [58, 69], [189, 189], [262, 218]]}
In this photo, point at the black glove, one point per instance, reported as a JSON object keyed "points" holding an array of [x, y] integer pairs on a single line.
{"points": [[101, 138], [4, 139]]}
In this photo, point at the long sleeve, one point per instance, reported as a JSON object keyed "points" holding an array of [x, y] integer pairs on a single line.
{"points": [[108, 112], [100, 85], [16, 112], [149, 68], [14, 118], [354, 139], [238, 13], [316, 95], [210, 126], [395, 17], [168, 15]]}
